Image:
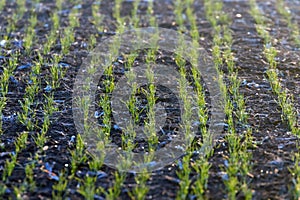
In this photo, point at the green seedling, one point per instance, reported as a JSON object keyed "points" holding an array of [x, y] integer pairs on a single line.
{"points": [[98, 17], [29, 183], [141, 189], [30, 32], [78, 155], [88, 189], [59, 188], [134, 14], [9, 166], [201, 167], [2, 4], [115, 191]]}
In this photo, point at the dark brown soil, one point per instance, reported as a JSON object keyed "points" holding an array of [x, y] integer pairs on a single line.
{"points": [[272, 157]]}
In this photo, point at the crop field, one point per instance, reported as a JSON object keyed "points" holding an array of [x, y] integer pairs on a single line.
{"points": [[149, 99]]}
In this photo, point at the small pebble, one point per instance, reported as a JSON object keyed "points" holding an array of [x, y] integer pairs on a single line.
{"points": [[238, 15], [98, 114], [72, 140], [79, 6], [48, 88], [23, 67], [2, 43], [63, 65], [45, 148], [116, 127]]}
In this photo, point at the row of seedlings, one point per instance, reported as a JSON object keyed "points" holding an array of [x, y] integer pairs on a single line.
{"points": [[87, 187], [292, 25], [30, 91], [12, 62], [237, 165], [120, 174], [201, 165], [140, 190], [285, 100], [184, 170]]}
